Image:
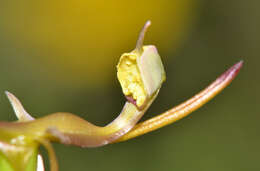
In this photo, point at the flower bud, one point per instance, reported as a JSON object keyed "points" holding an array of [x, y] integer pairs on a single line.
{"points": [[141, 72]]}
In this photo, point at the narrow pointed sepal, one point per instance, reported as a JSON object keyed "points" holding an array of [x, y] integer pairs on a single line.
{"points": [[186, 107], [19, 110]]}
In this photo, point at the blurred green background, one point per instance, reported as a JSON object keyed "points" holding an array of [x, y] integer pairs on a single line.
{"points": [[61, 56]]}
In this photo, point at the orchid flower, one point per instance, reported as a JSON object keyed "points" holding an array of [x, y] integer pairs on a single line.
{"points": [[140, 74]]}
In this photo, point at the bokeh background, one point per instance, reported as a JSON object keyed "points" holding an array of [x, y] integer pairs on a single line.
{"points": [[61, 56]]}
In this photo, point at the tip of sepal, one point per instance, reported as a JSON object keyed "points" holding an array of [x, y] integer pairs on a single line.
{"points": [[18, 108], [231, 73], [140, 41]]}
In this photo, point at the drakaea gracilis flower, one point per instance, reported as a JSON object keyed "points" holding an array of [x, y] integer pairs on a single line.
{"points": [[140, 74]]}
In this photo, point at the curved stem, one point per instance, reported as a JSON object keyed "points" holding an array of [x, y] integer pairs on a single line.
{"points": [[73, 130], [53, 159]]}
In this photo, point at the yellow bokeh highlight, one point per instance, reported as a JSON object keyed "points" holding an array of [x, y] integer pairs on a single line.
{"points": [[81, 41]]}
